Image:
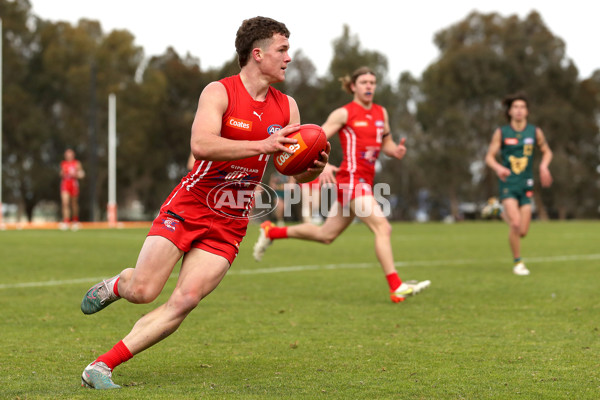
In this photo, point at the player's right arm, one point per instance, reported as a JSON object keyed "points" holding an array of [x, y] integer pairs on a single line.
{"points": [[80, 174], [335, 121], [545, 175], [490, 159], [206, 141]]}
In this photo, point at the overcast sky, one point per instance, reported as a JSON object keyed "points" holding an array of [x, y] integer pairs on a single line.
{"points": [[404, 33]]}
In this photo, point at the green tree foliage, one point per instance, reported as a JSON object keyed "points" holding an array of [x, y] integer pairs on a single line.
{"points": [[155, 135], [22, 115], [482, 59], [406, 177], [48, 97], [304, 86]]}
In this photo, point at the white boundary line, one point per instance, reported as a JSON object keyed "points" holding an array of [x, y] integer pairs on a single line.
{"points": [[299, 268]]}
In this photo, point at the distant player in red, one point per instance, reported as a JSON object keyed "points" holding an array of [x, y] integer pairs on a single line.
{"points": [[70, 173], [239, 123], [364, 131]]}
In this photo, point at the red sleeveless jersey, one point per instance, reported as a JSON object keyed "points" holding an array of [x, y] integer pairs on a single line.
{"points": [[69, 170], [361, 140], [244, 119]]}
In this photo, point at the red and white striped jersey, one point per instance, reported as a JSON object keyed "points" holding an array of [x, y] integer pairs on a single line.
{"points": [[361, 139]]}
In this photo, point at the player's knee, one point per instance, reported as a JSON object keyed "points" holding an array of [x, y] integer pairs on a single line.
{"points": [[515, 227], [184, 302], [327, 240], [140, 293], [327, 237], [523, 234], [387, 228], [383, 228]]}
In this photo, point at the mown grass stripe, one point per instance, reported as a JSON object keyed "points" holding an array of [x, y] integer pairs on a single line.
{"points": [[315, 267]]}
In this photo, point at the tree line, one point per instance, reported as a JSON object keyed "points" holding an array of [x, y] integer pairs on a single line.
{"points": [[57, 78]]}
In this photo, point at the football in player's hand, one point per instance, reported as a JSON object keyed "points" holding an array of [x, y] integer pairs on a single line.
{"points": [[311, 142]]}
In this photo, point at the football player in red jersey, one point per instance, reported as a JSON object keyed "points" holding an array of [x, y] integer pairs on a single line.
{"points": [[239, 122], [70, 173], [364, 131]]}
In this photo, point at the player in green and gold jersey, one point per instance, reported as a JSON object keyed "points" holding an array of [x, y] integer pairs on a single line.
{"points": [[516, 142]]}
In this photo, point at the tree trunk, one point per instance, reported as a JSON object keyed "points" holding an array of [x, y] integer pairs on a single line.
{"points": [[562, 213], [29, 206], [542, 213]]}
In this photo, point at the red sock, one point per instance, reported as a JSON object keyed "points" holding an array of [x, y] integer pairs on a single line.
{"points": [[115, 356], [394, 280], [116, 287], [75, 219], [278, 232]]}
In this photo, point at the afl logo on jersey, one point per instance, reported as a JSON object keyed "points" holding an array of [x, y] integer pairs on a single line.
{"points": [[511, 141], [273, 128]]}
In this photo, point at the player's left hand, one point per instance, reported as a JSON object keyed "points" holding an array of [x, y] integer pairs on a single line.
{"points": [[328, 175], [320, 164], [545, 176], [400, 150], [278, 140], [318, 167]]}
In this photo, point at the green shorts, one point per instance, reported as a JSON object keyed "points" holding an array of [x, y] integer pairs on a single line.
{"points": [[521, 191]]}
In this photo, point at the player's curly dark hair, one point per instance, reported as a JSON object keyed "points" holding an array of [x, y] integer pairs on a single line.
{"points": [[511, 98], [254, 30]]}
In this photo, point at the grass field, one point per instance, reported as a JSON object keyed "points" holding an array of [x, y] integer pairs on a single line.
{"points": [[315, 322]]}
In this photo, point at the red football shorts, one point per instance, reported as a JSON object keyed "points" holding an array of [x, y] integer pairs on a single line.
{"points": [[188, 224], [349, 188], [70, 186]]}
